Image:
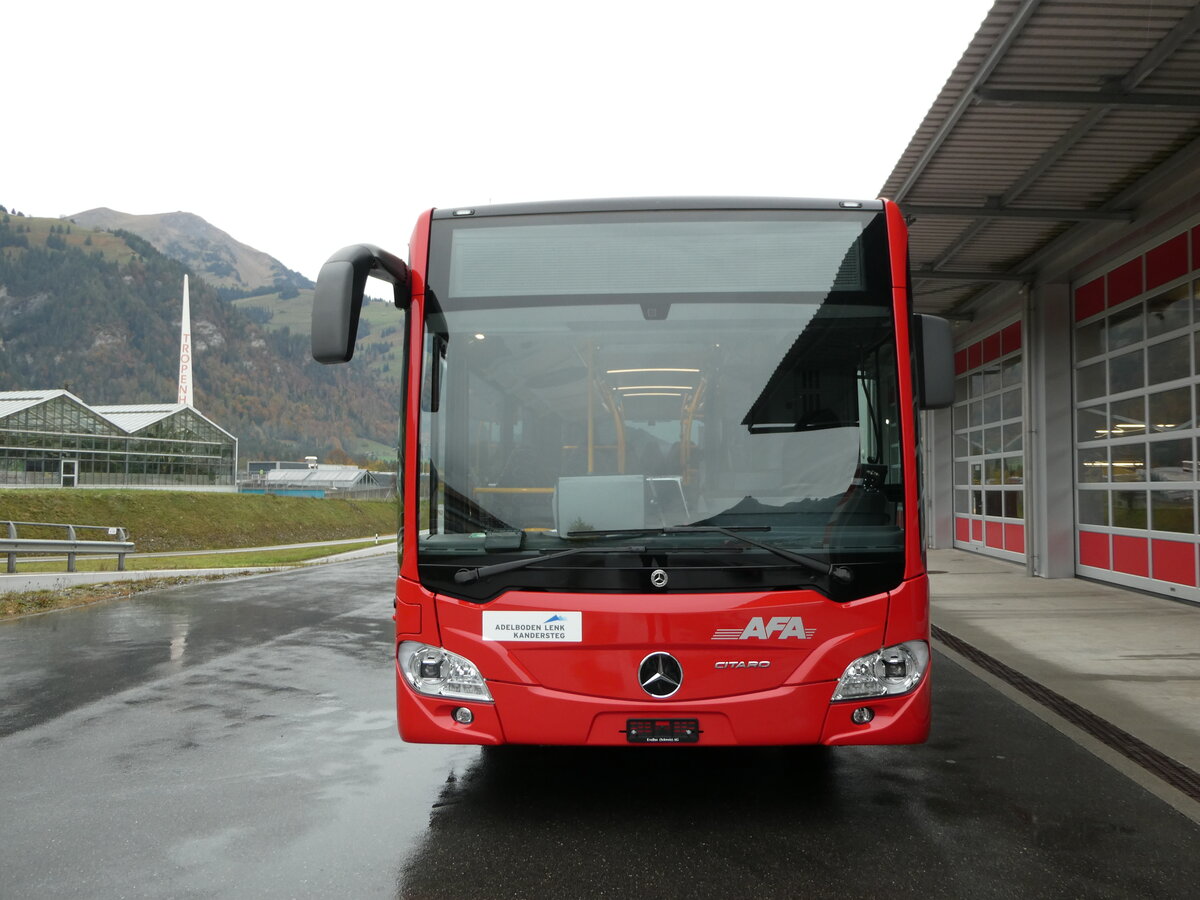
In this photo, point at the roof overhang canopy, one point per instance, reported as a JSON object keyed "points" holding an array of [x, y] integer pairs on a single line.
{"points": [[1064, 123]]}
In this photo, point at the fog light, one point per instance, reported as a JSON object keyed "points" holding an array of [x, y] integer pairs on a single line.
{"points": [[862, 715], [464, 716]]}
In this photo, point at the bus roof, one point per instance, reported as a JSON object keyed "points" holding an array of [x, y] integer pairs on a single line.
{"points": [[637, 204]]}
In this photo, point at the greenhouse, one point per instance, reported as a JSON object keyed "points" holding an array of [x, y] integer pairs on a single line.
{"points": [[54, 439]]}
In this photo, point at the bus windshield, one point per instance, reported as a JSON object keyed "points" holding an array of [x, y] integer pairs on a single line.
{"points": [[647, 385]]}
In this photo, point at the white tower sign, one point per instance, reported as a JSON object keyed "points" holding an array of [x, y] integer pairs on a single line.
{"points": [[185, 350]]}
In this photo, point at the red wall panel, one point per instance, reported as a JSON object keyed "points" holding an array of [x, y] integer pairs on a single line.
{"points": [[1093, 549], [1125, 282], [1131, 555], [1089, 299], [991, 347], [1167, 261], [1014, 538], [1174, 561], [1010, 338], [995, 535], [962, 529]]}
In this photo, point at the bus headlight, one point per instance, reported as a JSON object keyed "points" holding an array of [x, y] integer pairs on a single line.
{"points": [[891, 671], [440, 673]]}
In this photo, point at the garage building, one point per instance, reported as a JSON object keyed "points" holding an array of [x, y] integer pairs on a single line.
{"points": [[1054, 196]]}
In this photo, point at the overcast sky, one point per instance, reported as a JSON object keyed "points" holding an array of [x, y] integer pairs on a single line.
{"points": [[301, 127]]}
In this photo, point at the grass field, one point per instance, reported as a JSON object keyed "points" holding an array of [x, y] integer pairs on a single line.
{"points": [[167, 521], [183, 520]]}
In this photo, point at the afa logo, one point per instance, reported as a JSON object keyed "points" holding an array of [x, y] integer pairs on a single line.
{"points": [[777, 627]]}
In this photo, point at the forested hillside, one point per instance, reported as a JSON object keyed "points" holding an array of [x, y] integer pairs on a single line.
{"points": [[98, 313]]}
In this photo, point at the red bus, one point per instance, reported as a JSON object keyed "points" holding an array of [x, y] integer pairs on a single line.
{"points": [[659, 471]]}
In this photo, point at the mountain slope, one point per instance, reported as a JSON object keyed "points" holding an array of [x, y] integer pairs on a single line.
{"points": [[100, 312], [205, 249], [257, 283]]}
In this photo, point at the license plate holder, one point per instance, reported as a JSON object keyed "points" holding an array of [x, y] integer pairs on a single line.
{"points": [[662, 731]]}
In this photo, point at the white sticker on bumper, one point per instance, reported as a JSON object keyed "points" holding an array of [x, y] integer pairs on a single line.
{"points": [[533, 627]]}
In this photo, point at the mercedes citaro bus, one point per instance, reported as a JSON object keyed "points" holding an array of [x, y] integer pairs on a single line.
{"points": [[659, 471]]}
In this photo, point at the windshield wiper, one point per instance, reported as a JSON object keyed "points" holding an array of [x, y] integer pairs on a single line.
{"points": [[468, 576], [838, 573]]}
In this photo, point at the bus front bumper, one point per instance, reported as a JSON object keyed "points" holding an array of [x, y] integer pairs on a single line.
{"points": [[788, 715]]}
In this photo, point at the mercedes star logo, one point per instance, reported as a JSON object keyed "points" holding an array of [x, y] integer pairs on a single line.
{"points": [[658, 578], [660, 675]]}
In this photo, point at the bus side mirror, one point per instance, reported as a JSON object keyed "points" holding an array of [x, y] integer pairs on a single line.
{"points": [[338, 300], [934, 346]]}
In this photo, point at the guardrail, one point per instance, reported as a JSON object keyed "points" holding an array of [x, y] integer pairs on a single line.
{"points": [[72, 546]]}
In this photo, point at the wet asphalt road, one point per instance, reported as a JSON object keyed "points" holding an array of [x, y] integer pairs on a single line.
{"points": [[237, 739]]}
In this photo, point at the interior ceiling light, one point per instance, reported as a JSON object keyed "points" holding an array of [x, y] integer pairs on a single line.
{"points": [[655, 387], [633, 371]]}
